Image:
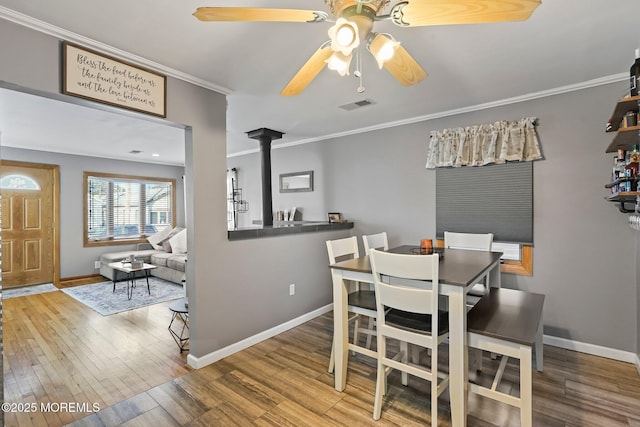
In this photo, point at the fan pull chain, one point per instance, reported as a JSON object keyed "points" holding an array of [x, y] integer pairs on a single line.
{"points": [[358, 72]]}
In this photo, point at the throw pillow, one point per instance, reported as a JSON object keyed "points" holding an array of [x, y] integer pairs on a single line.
{"points": [[164, 244], [156, 239], [179, 242]]}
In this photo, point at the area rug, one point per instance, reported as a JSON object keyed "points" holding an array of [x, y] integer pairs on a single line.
{"points": [[101, 298], [28, 290]]}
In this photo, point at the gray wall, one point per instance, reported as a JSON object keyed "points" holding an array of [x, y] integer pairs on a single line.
{"points": [[75, 259], [312, 204], [585, 254], [236, 289]]}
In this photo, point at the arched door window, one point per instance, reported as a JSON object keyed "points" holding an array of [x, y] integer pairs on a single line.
{"points": [[18, 182]]}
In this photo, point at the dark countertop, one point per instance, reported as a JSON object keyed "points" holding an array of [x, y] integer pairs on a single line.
{"points": [[284, 228]]}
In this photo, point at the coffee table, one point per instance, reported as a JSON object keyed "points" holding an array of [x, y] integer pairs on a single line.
{"points": [[131, 275]]}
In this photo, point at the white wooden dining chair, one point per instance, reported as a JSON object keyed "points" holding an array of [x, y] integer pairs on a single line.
{"points": [[414, 318], [361, 299], [474, 242], [375, 241]]}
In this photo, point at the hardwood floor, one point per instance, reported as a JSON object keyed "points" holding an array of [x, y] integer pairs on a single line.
{"points": [[57, 351]]}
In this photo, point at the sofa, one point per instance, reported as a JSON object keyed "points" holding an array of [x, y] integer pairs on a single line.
{"points": [[167, 250]]}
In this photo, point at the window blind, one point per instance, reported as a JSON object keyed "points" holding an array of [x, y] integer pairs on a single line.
{"points": [[494, 199], [124, 208]]}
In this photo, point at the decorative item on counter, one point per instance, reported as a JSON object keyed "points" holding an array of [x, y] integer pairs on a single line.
{"points": [[335, 217]]}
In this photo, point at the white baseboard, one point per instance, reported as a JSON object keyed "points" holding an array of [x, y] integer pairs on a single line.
{"points": [[596, 350], [207, 359]]}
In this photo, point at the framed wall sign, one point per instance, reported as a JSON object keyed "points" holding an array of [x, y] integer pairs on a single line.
{"points": [[97, 77]]}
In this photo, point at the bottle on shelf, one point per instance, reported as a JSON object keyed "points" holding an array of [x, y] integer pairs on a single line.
{"points": [[615, 174], [634, 156], [634, 75], [631, 169], [618, 173]]}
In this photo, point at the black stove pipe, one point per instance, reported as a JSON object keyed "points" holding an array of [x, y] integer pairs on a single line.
{"points": [[265, 136]]}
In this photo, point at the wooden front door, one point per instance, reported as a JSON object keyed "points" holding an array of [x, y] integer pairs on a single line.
{"points": [[28, 198]]}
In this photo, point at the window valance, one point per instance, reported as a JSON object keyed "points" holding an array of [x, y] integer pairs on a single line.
{"points": [[478, 145]]}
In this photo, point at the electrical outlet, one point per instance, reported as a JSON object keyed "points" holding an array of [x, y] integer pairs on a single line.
{"points": [[292, 289], [96, 264]]}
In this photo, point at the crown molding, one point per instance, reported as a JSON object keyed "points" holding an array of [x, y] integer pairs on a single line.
{"points": [[52, 30], [493, 104]]}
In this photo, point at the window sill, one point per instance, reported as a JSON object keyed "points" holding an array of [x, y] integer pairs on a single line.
{"points": [[92, 243], [524, 267]]}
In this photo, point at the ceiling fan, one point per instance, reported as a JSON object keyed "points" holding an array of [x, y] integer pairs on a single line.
{"points": [[353, 26]]}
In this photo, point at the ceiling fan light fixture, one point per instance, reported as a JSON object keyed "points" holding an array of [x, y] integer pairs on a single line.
{"points": [[383, 47], [344, 36], [340, 63]]}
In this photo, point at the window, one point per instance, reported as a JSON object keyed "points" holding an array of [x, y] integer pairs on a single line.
{"points": [[123, 209], [18, 182], [494, 199]]}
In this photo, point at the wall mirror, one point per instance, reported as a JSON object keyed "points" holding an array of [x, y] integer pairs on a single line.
{"points": [[296, 182]]}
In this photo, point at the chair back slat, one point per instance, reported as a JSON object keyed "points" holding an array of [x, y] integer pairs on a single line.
{"points": [[342, 249], [375, 241], [413, 300]]}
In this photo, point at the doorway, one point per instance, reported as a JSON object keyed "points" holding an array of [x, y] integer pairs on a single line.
{"points": [[29, 209]]}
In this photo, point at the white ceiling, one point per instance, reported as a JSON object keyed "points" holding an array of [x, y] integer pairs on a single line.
{"points": [[39, 123], [564, 43]]}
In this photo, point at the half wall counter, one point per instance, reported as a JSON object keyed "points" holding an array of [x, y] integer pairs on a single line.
{"points": [[286, 227]]}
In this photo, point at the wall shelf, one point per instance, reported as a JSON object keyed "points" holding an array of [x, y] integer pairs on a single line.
{"points": [[625, 104], [627, 196], [626, 137]]}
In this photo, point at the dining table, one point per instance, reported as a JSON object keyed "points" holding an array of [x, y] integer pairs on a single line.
{"points": [[459, 270]]}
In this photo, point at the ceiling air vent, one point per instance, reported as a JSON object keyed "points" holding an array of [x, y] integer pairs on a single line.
{"points": [[358, 104], [135, 151]]}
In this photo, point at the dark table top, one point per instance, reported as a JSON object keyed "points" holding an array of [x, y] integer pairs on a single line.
{"points": [[457, 266]]}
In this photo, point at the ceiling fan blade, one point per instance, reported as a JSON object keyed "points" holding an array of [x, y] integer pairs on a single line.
{"points": [[258, 14], [447, 12], [402, 66], [308, 72]]}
